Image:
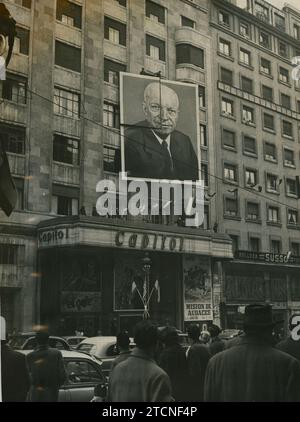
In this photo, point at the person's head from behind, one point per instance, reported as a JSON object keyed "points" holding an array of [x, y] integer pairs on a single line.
{"points": [[194, 332], [123, 341], [258, 321], [170, 336], [214, 330], [146, 336], [161, 108], [205, 336], [42, 335]]}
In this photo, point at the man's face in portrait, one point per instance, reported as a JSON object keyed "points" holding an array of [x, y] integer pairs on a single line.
{"points": [[161, 108]]}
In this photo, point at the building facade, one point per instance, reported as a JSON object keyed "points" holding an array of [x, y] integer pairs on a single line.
{"points": [[257, 143], [60, 121]]}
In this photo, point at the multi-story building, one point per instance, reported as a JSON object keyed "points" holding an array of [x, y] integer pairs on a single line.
{"points": [[60, 262], [256, 132]]}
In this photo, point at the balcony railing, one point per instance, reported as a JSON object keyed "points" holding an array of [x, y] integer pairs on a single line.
{"points": [[266, 257], [257, 100]]}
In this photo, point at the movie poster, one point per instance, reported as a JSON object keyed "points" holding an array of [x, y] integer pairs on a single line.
{"points": [[197, 289]]}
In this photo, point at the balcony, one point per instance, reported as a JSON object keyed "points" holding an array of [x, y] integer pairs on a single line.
{"points": [[222, 86], [111, 137], [155, 28], [185, 35], [112, 8], [68, 33], [189, 73], [13, 112], [155, 66], [22, 15], [115, 51], [16, 164], [65, 173], [266, 257], [19, 63], [9, 276], [67, 125], [67, 78]]}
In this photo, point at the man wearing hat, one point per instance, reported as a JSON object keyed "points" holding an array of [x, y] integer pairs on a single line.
{"points": [[252, 370], [216, 344], [15, 377]]}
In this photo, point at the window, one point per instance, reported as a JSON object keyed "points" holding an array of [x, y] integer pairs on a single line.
{"points": [[19, 184], [203, 136], [65, 200], [279, 22], [244, 30], [204, 174], [268, 121], [235, 243], [66, 150], [186, 53], [245, 57], [114, 31], [264, 40], [224, 18], [291, 187], [67, 56], [155, 48], [14, 89], [26, 3], [247, 85], [155, 12], [8, 254], [111, 115], [122, 2], [112, 70], [201, 92], [298, 106], [230, 172], [265, 66], [228, 138], [187, 22], [231, 207], [226, 76], [267, 93], [287, 129], [66, 103], [254, 244], [273, 214], [111, 157], [292, 216], [82, 372], [284, 75], [272, 183], [227, 107], [261, 12], [69, 13], [247, 115], [12, 138], [295, 248], [250, 177], [275, 246], [282, 49], [252, 211], [270, 152], [224, 47], [21, 44], [297, 31], [289, 157], [286, 101], [249, 144]]}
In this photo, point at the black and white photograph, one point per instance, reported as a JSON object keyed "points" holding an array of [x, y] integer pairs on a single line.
{"points": [[122, 123]]}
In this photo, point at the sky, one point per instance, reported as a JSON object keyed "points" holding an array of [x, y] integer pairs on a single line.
{"points": [[280, 3]]}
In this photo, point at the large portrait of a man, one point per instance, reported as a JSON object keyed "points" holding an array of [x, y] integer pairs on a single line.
{"points": [[159, 128]]}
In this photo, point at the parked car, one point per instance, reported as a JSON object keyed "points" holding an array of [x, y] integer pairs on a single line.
{"points": [[27, 341], [229, 334], [73, 341], [84, 374], [102, 347]]}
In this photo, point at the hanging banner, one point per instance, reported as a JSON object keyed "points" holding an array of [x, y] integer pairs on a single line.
{"points": [[197, 289]]}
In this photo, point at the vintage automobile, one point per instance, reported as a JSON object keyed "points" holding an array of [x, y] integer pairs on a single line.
{"points": [[102, 347], [73, 341], [27, 341], [84, 374]]}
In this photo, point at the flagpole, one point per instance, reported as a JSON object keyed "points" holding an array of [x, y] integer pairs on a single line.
{"points": [[146, 296]]}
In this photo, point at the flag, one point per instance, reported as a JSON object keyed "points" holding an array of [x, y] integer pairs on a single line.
{"points": [[133, 287], [157, 288], [145, 290], [8, 193]]}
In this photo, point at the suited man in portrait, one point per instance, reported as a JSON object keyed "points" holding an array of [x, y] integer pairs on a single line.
{"points": [[154, 149]]}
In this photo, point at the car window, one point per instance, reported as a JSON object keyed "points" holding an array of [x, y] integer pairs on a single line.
{"points": [[30, 344], [57, 344], [82, 371], [86, 347], [112, 350], [74, 341]]}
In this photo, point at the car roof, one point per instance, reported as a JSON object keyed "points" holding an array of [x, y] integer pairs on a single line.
{"points": [[71, 337], [68, 354], [100, 339]]}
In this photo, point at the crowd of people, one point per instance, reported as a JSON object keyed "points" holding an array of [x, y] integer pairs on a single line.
{"points": [[249, 368]]}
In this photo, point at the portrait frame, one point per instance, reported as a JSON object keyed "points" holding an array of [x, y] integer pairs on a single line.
{"points": [[132, 88]]}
